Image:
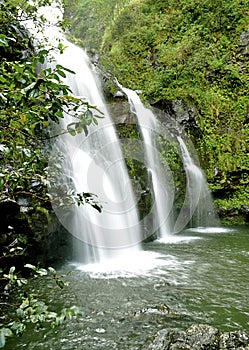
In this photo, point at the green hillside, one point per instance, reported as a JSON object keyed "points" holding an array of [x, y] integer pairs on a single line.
{"points": [[193, 51]]}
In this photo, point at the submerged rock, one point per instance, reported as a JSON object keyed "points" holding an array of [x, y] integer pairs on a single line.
{"points": [[199, 337], [157, 311]]}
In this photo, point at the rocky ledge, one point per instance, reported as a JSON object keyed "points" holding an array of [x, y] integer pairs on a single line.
{"points": [[199, 337]]}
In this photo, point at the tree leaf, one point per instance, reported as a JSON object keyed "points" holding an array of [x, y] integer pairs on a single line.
{"points": [[3, 41], [30, 266], [61, 73]]}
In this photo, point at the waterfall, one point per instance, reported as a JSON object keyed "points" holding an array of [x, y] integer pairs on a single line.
{"points": [[197, 208], [91, 164], [161, 179], [198, 204], [94, 163]]}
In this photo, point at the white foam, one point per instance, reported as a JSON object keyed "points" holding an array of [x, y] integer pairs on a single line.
{"points": [[128, 265], [209, 229], [176, 239]]}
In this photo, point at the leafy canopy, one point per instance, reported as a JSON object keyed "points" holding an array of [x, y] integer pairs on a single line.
{"points": [[32, 95], [31, 98]]}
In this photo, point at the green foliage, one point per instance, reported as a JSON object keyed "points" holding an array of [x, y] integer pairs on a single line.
{"points": [[170, 158], [88, 19], [61, 194], [32, 95], [89, 198], [196, 51], [29, 307], [133, 156], [83, 120], [30, 99], [129, 132]]}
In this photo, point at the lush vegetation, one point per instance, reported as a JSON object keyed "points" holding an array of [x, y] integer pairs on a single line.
{"points": [[23, 306], [194, 51], [33, 95]]}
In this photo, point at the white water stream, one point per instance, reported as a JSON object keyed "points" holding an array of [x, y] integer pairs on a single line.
{"points": [[95, 164], [198, 204], [162, 184], [92, 163]]}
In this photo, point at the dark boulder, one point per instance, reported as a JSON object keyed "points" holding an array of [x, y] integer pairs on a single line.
{"points": [[244, 210], [199, 337]]}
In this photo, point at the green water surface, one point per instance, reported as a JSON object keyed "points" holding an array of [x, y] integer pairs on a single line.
{"points": [[202, 279]]}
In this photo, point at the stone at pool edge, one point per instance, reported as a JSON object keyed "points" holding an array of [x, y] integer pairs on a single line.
{"points": [[199, 337]]}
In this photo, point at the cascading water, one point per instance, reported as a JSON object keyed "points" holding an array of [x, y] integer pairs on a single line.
{"points": [[198, 204], [92, 164], [162, 184], [95, 164], [198, 207]]}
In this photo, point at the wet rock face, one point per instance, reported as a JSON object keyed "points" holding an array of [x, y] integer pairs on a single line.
{"points": [[178, 115], [245, 42], [244, 210], [200, 337], [28, 234]]}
